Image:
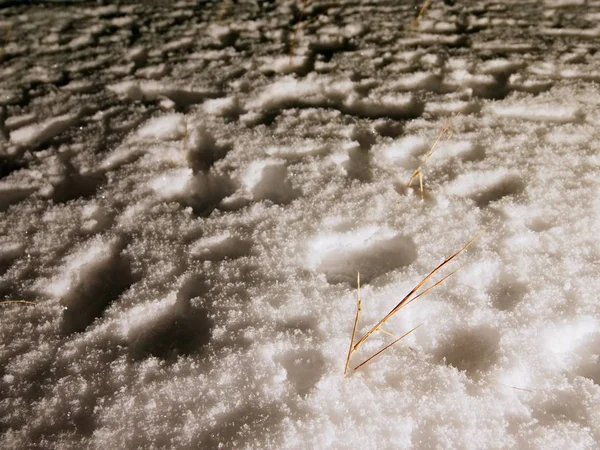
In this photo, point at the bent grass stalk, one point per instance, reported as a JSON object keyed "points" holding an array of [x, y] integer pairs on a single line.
{"points": [[447, 131], [356, 318], [24, 302], [409, 298], [225, 9], [374, 355], [7, 32], [294, 40], [417, 20]]}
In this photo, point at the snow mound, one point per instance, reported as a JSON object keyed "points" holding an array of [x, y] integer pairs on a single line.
{"points": [[540, 113], [371, 251], [486, 187], [40, 133], [90, 279], [219, 247], [168, 127], [201, 191], [268, 180]]}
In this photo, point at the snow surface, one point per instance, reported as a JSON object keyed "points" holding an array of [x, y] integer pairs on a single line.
{"points": [[188, 192]]}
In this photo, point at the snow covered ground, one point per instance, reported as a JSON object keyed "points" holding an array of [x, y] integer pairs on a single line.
{"points": [[188, 192]]}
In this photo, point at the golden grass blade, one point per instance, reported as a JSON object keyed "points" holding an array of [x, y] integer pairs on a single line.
{"points": [[430, 288], [26, 302], [407, 298], [381, 330], [419, 171], [446, 130], [297, 29], [385, 348], [417, 20], [413, 176], [356, 318], [225, 9]]}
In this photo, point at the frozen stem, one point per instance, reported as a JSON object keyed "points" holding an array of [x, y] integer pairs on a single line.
{"points": [[356, 318], [417, 20], [446, 131], [297, 29], [385, 348], [409, 297], [24, 302]]}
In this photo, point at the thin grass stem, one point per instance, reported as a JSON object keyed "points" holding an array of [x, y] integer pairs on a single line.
{"points": [[26, 302], [408, 297], [417, 20], [356, 318], [385, 348]]}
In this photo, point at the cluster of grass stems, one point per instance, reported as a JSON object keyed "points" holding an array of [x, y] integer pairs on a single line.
{"points": [[445, 132], [408, 298]]}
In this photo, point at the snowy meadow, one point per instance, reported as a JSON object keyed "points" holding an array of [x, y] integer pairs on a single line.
{"points": [[189, 191]]}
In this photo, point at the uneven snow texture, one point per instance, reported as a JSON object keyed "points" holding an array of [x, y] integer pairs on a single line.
{"points": [[188, 192]]}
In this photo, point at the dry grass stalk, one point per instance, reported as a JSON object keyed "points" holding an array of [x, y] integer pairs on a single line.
{"points": [[225, 9], [185, 136], [7, 32], [417, 20], [447, 132], [385, 348], [381, 330], [409, 298], [294, 40], [26, 302], [430, 288], [358, 309]]}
